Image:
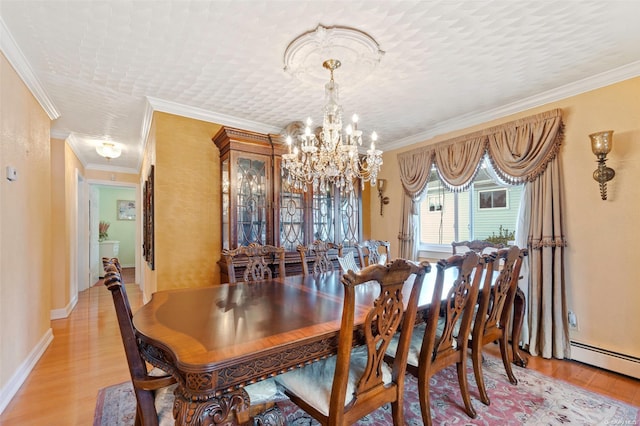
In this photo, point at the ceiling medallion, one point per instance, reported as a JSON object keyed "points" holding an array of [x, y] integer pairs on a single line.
{"points": [[357, 50]]}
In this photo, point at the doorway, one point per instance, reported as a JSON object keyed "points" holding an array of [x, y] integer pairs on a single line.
{"points": [[116, 205]]}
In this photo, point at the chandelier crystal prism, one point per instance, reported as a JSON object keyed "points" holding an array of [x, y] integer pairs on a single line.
{"points": [[329, 156]]}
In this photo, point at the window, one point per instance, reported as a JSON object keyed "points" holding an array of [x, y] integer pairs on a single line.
{"points": [[435, 204], [495, 199], [488, 208]]}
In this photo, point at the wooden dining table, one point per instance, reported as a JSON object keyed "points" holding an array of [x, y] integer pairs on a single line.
{"points": [[216, 340]]}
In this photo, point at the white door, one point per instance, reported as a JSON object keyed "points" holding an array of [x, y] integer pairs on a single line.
{"points": [[95, 264], [82, 229]]}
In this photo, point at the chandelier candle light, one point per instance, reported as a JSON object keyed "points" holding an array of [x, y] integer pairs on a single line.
{"points": [[331, 157]]}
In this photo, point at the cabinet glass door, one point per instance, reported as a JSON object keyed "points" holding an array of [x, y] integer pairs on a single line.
{"points": [[323, 216], [251, 199], [350, 219], [291, 217], [225, 204]]}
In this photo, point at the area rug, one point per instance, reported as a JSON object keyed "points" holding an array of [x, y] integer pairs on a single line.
{"points": [[536, 400]]}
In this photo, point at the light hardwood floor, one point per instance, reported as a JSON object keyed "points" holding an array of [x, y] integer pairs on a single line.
{"points": [[87, 355]]}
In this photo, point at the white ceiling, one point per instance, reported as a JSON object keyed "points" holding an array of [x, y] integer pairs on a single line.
{"points": [[100, 67]]}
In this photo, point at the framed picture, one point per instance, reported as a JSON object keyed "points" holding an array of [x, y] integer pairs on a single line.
{"points": [[126, 210], [147, 226]]}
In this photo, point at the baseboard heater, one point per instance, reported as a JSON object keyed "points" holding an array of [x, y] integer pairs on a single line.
{"points": [[609, 360]]}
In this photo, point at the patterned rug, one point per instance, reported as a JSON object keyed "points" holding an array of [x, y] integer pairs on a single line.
{"points": [[536, 400]]}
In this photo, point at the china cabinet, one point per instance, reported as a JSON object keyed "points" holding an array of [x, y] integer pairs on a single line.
{"points": [[258, 205]]}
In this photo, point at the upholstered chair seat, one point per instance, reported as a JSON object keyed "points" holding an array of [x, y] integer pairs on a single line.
{"points": [[348, 262], [346, 387], [314, 383], [416, 341]]}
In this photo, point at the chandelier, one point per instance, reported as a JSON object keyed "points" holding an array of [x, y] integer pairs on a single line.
{"points": [[329, 156]]}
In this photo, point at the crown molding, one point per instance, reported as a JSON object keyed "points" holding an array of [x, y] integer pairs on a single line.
{"points": [[211, 117], [56, 134], [16, 58], [597, 81], [75, 144]]}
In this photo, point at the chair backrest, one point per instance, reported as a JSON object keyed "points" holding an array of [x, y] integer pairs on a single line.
{"points": [[348, 262], [258, 258], [498, 292], [106, 261], [460, 247], [456, 309], [137, 367], [383, 319], [111, 267], [319, 252], [372, 252]]}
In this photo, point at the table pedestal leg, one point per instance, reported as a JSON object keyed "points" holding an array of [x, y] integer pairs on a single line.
{"points": [[227, 409], [271, 417], [518, 319]]}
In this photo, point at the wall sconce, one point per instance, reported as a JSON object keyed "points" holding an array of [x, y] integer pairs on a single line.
{"points": [[601, 143], [383, 200], [109, 150]]}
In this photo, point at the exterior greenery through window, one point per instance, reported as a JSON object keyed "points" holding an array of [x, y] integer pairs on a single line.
{"points": [[487, 210]]}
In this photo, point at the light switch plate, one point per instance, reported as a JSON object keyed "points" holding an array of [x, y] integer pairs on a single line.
{"points": [[12, 173]]}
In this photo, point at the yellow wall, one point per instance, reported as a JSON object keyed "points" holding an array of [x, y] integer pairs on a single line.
{"points": [[369, 209], [601, 235], [187, 203], [25, 224], [60, 249]]}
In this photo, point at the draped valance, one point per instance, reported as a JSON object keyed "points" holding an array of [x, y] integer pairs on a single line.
{"points": [[518, 150]]}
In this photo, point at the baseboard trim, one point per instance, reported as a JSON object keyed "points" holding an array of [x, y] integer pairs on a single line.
{"points": [[609, 360], [13, 385], [64, 312]]}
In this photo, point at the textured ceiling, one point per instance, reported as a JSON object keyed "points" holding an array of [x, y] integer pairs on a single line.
{"points": [[445, 63]]}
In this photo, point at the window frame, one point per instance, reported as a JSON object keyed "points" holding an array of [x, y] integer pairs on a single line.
{"points": [[506, 199]]}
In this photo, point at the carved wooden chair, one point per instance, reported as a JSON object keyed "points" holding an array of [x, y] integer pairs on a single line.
{"points": [[145, 385], [154, 389], [258, 258], [355, 382], [494, 311], [479, 246], [111, 261], [373, 251], [442, 340], [319, 252], [111, 265]]}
